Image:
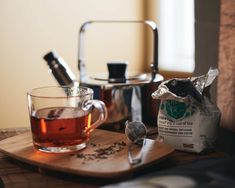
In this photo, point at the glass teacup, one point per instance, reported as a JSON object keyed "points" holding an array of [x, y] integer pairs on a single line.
{"points": [[60, 117]]}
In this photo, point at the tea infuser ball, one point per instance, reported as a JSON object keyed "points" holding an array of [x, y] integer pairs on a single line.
{"points": [[135, 131]]}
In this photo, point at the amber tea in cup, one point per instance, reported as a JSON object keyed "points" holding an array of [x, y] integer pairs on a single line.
{"points": [[60, 117]]}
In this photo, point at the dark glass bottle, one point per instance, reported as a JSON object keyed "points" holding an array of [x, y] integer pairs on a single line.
{"points": [[60, 69]]}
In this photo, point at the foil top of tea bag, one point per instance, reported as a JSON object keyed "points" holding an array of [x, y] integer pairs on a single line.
{"points": [[185, 90]]}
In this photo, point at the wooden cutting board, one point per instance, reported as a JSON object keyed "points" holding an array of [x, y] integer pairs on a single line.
{"points": [[105, 156]]}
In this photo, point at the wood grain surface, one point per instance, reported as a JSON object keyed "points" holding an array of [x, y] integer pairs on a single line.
{"points": [[112, 165], [226, 79]]}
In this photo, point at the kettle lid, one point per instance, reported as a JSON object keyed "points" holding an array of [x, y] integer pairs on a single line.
{"points": [[117, 74]]}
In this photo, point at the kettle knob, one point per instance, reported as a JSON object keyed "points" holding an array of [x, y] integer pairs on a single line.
{"points": [[117, 71]]}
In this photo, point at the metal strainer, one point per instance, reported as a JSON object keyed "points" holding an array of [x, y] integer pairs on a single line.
{"points": [[136, 132]]}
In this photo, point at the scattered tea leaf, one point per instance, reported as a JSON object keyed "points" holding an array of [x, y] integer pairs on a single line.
{"points": [[102, 153]]}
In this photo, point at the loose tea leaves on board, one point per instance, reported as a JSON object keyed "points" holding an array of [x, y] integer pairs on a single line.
{"points": [[102, 152]]}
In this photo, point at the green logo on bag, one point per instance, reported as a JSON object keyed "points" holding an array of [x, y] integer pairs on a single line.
{"points": [[177, 110]]}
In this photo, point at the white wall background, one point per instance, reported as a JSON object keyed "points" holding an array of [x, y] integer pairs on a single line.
{"points": [[31, 28]]}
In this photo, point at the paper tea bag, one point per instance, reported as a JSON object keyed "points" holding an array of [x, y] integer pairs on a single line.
{"points": [[187, 119]]}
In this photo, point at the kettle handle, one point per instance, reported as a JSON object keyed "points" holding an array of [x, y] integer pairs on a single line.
{"points": [[81, 59]]}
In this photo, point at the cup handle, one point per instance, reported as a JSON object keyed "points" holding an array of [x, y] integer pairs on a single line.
{"points": [[102, 116]]}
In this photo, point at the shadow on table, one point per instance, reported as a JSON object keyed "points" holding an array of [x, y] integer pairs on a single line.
{"points": [[213, 173]]}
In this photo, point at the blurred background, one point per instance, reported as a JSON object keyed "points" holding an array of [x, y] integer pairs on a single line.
{"points": [[188, 42]]}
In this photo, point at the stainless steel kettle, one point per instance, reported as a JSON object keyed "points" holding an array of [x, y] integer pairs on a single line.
{"points": [[126, 98]]}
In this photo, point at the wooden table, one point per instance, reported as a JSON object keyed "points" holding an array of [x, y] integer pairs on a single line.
{"points": [[14, 173]]}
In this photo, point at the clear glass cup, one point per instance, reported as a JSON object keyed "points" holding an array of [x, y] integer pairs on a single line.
{"points": [[60, 117]]}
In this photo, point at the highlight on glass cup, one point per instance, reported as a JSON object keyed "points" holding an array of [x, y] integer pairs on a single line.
{"points": [[60, 117]]}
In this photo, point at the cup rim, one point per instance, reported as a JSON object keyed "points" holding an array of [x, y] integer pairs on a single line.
{"points": [[31, 94]]}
